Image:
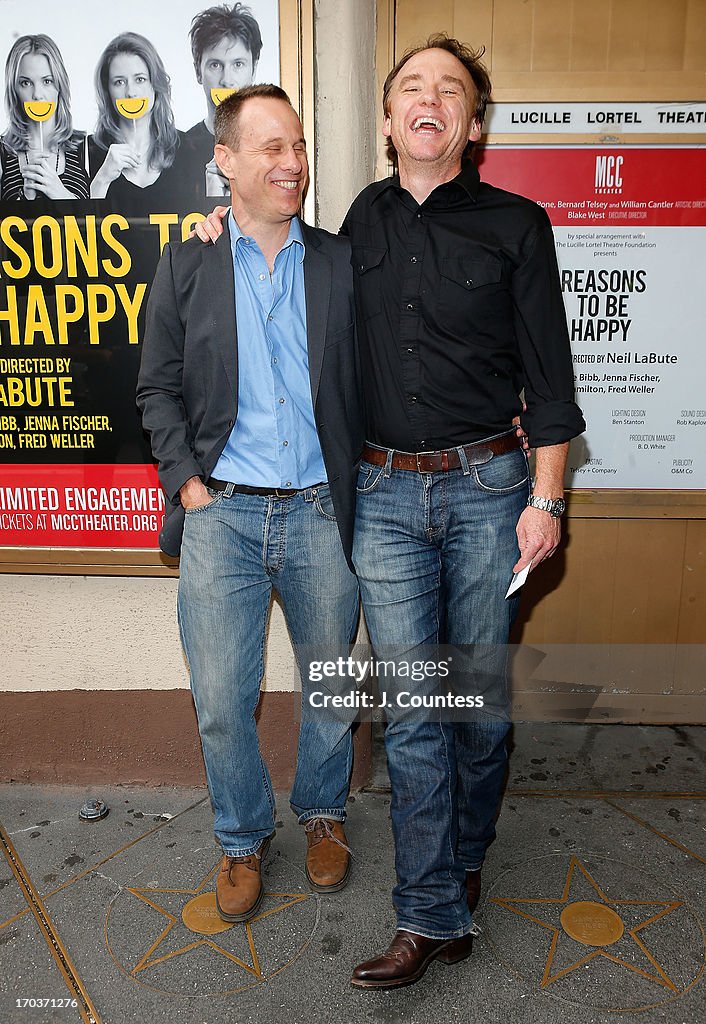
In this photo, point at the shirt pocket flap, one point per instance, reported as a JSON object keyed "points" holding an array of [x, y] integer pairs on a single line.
{"points": [[470, 273], [364, 258]]}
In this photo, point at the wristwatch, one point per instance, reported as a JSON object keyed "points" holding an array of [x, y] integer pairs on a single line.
{"points": [[554, 506]]}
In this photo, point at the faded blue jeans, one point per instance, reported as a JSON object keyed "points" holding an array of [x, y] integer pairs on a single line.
{"points": [[235, 551], [434, 556]]}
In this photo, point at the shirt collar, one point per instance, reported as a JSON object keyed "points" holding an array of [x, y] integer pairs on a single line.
{"points": [[468, 179], [294, 236]]}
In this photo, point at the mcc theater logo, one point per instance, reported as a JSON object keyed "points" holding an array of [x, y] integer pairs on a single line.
{"points": [[609, 175]]}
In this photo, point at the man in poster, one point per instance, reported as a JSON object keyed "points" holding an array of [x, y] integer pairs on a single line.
{"points": [[249, 391], [225, 43]]}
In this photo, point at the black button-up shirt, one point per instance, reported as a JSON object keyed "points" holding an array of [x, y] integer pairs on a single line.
{"points": [[459, 309]]}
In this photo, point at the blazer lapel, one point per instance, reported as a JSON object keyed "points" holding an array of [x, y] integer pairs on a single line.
{"points": [[317, 292], [218, 265]]}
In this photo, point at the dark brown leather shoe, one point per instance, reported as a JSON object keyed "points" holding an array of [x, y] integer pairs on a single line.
{"points": [[239, 888], [407, 958], [473, 888], [328, 856]]}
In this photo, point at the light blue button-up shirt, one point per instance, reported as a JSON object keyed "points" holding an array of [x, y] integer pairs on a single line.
{"points": [[274, 441]]}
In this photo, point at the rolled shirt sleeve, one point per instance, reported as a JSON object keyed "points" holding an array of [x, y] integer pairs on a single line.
{"points": [[552, 416]]}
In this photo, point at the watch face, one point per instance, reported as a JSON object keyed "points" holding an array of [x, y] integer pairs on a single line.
{"points": [[559, 507]]}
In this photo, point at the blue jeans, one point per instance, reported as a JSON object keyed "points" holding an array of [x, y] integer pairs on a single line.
{"points": [[235, 551], [434, 554]]}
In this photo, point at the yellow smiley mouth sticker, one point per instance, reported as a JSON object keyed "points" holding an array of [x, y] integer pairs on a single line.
{"points": [[133, 108], [40, 110], [218, 95]]}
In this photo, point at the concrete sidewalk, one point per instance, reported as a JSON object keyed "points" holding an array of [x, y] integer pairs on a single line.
{"points": [[593, 902]]}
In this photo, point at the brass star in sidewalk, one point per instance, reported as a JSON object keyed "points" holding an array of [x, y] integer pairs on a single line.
{"points": [[198, 914], [596, 923]]}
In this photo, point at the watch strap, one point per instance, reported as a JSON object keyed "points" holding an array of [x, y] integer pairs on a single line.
{"points": [[554, 506]]}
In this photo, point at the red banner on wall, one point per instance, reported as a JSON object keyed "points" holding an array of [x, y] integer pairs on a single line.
{"points": [[91, 506], [626, 187]]}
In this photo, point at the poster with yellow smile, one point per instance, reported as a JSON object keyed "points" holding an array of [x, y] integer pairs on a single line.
{"points": [[39, 110], [106, 154], [219, 95], [132, 109]]}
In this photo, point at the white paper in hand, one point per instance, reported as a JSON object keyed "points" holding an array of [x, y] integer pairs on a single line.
{"points": [[518, 578]]}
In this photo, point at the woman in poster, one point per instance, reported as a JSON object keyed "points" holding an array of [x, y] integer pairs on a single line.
{"points": [[136, 142], [40, 153]]}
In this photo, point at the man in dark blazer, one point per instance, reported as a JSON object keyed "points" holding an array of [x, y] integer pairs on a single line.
{"points": [[248, 388]]}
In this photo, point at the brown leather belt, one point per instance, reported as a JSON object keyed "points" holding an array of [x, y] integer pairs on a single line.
{"points": [[477, 453], [263, 492]]}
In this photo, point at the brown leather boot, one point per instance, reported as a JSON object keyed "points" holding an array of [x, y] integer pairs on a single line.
{"points": [[473, 882], [407, 958], [239, 888], [328, 857]]}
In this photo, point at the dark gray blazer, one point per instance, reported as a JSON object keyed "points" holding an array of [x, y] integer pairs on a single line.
{"points": [[187, 387]]}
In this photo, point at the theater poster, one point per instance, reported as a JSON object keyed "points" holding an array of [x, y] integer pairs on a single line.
{"points": [[630, 228], [106, 154]]}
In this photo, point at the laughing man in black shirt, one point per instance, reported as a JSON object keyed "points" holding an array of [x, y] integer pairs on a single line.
{"points": [[459, 308]]}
